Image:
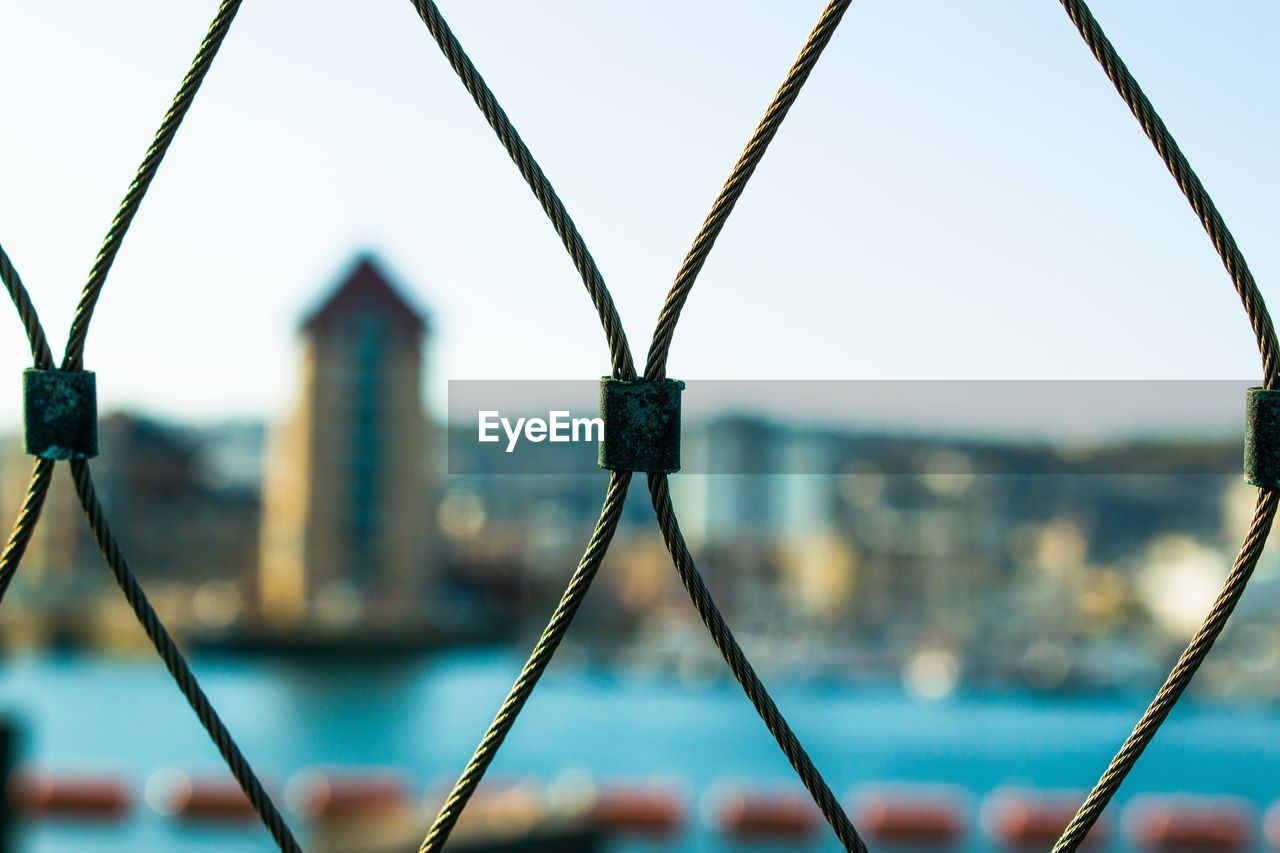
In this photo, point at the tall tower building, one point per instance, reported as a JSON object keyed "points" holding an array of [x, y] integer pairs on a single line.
{"points": [[346, 515]]}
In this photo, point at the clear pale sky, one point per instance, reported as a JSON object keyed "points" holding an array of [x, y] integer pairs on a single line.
{"points": [[958, 193]]}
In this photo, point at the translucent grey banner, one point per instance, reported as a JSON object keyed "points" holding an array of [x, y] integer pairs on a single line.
{"points": [[884, 427]]}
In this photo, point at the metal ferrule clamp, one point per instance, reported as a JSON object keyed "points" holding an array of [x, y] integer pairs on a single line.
{"points": [[641, 425], [60, 414], [1262, 438]]}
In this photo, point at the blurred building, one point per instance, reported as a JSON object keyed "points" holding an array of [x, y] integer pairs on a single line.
{"points": [[190, 534], [347, 504]]}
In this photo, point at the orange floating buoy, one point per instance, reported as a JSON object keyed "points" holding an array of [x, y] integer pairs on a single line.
{"points": [[648, 811], [209, 800], [770, 816], [340, 795], [925, 818], [1189, 823], [1034, 819], [99, 798]]}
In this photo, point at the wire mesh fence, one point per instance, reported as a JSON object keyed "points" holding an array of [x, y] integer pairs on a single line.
{"points": [[622, 368]]}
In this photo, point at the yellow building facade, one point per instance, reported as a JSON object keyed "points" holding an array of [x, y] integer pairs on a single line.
{"points": [[347, 516]]}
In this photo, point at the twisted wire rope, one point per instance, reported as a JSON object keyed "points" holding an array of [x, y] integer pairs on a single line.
{"points": [[1260, 320], [619, 350], [74, 357], [1077, 830], [41, 355], [827, 802], [623, 368], [1188, 181], [42, 470], [615, 496], [73, 360], [557, 627], [176, 663], [659, 490], [656, 364], [24, 526]]}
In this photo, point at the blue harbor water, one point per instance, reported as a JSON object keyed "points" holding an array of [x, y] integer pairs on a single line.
{"points": [[424, 717]]}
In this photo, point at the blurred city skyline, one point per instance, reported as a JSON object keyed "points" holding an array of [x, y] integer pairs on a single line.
{"points": [[344, 516], [957, 194]]}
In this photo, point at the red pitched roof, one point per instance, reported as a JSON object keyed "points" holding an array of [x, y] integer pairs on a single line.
{"points": [[365, 290]]}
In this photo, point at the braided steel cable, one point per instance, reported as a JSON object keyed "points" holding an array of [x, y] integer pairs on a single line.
{"points": [[656, 364], [659, 491], [623, 368], [42, 473], [619, 350], [742, 670], [74, 357], [176, 663], [1188, 182], [1260, 320], [24, 526], [41, 355], [537, 181], [536, 665], [1178, 678], [74, 360]]}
